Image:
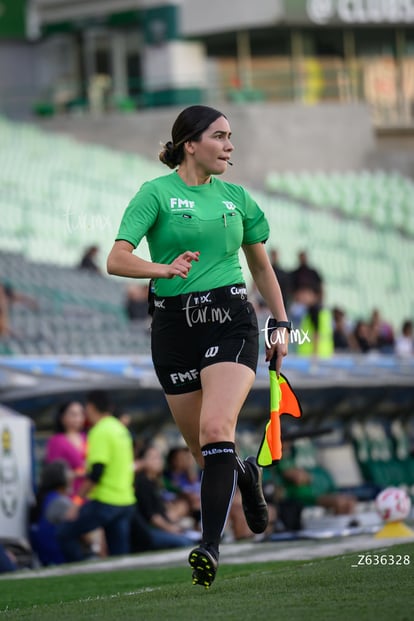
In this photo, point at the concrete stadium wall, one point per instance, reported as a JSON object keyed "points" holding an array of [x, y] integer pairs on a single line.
{"points": [[281, 137], [295, 137], [18, 63]]}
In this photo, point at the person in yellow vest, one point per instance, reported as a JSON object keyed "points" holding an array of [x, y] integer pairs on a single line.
{"points": [[108, 488], [316, 326]]}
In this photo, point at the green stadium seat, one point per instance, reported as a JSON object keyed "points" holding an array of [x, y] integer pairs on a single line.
{"points": [[350, 223], [379, 463]]}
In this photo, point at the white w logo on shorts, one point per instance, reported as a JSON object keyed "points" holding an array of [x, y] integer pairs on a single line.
{"points": [[211, 352]]}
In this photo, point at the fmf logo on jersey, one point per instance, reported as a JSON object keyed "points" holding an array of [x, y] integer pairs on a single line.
{"points": [[181, 203], [182, 378], [230, 205]]}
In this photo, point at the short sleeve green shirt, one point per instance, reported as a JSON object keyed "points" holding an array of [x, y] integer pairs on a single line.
{"points": [[215, 218], [110, 443]]}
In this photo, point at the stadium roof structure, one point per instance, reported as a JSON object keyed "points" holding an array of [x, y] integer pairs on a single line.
{"points": [[343, 385]]}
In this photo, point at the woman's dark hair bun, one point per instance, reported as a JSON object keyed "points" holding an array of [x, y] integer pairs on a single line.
{"points": [[168, 155]]}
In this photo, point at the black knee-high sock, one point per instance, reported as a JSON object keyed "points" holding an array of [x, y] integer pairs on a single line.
{"points": [[218, 485]]}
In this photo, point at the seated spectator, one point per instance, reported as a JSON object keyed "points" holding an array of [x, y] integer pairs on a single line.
{"points": [[182, 478], [362, 337], [404, 344], [287, 512], [8, 297], [18, 297], [7, 560], [53, 506], [69, 442], [5, 330], [311, 484], [163, 517], [342, 337], [382, 333], [256, 299], [136, 302], [237, 525], [88, 260]]}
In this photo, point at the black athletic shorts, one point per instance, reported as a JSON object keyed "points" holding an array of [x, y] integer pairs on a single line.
{"points": [[192, 331]]}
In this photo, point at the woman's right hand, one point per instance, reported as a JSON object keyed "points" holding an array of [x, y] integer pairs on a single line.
{"points": [[181, 265]]}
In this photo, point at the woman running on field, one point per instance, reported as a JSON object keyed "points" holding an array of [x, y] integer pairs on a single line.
{"points": [[204, 330]]}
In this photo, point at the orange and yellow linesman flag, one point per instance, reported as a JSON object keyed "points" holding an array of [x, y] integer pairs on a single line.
{"points": [[282, 401]]}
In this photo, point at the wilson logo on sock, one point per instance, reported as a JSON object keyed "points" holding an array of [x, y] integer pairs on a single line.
{"points": [[216, 451]]}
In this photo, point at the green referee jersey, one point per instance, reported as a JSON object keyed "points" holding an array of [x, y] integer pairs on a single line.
{"points": [[215, 218]]}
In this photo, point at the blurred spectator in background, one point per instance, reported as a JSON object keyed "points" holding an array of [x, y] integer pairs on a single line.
{"points": [[136, 302], [7, 561], [4, 313], [315, 325], [182, 478], [69, 442], [182, 482], [123, 416], [342, 332], [163, 517], [306, 277], [404, 344], [382, 334], [282, 276], [258, 302], [108, 486], [362, 337], [53, 506], [18, 297], [237, 527], [126, 419], [8, 297], [311, 485], [88, 260], [99, 88]]}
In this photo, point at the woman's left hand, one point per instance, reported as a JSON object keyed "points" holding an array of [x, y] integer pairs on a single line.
{"points": [[278, 347]]}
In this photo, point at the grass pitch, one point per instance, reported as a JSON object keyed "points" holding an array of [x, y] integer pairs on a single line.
{"points": [[370, 586]]}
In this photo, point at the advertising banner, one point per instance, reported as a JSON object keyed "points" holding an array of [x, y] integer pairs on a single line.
{"points": [[16, 464], [349, 12]]}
